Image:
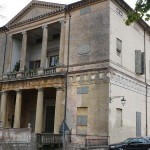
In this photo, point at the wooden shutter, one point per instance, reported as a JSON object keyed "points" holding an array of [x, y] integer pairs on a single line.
{"points": [[138, 124]]}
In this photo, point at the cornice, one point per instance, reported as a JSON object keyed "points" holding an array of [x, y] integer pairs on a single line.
{"points": [[127, 9], [32, 4], [64, 8], [121, 3], [38, 18], [83, 3]]}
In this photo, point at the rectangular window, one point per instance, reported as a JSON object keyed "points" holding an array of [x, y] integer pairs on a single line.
{"points": [[54, 60], [118, 117], [82, 120], [34, 65], [118, 46]]}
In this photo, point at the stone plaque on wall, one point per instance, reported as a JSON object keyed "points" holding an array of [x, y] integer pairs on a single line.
{"points": [[83, 90], [84, 49], [85, 10]]}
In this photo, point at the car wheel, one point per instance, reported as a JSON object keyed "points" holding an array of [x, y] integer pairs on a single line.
{"points": [[120, 149]]}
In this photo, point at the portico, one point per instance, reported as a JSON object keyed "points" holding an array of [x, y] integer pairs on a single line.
{"points": [[38, 102], [36, 49]]}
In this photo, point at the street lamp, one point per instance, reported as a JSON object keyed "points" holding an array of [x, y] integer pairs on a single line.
{"points": [[123, 101]]}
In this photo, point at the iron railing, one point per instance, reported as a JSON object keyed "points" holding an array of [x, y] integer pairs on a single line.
{"points": [[96, 141], [76, 141], [47, 139], [89, 140]]}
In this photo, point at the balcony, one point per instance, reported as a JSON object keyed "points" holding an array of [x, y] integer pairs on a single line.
{"points": [[46, 139], [71, 142], [31, 74]]}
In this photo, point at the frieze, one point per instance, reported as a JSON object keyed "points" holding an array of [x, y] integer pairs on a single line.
{"points": [[114, 78], [30, 84], [98, 76], [128, 83]]}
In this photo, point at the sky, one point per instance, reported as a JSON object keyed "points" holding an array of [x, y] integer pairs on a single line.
{"points": [[10, 8]]}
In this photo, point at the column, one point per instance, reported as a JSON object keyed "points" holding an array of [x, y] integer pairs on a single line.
{"points": [[3, 107], [9, 54], [18, 109], [39, 112], [59, 109], [23, 51], [44, 47], [62, 43]]}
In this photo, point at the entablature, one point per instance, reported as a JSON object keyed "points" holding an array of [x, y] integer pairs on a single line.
{"points": [[34, 83]]}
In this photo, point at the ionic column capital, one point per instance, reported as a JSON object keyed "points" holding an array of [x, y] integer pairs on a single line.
{"points": [[10, 36], [3, 92], [40, 89], [24, 32], [60, 89], [45, 26], [62, 21], [18, 91]]}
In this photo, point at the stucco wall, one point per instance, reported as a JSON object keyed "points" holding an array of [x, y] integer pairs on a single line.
{"points": [[96, 101], [135, 102], [132, 38], [89, 32]]}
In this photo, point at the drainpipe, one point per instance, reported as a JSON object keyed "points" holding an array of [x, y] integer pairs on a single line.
{"points": [[146, 88], [66, 74], [5, 29], [67, 69]]}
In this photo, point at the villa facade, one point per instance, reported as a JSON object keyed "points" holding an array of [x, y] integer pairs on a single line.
{"points": [[72, 65]]}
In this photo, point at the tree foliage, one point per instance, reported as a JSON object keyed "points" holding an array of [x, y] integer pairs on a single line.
{"points": [[142, 10]]}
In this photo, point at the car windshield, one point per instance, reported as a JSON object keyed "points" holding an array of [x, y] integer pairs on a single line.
{"points": [[127, 140]]}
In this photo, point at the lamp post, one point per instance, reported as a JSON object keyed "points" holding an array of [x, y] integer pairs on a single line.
{"points": [[123, 101]]}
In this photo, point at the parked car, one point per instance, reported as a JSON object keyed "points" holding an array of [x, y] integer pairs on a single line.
{"points": [[131, 144]]}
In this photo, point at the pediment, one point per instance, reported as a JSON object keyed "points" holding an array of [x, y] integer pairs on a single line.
{"points": [[34, 9]]}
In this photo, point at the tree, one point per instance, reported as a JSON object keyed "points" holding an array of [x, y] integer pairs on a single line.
{"points": [[141, 10]]}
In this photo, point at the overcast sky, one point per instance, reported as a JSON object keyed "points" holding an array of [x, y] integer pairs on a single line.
{"points": [[11, 7]]}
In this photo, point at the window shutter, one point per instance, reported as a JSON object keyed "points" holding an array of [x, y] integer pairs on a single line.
{"points": [[139, 62], [143, 63], [82, 120]]}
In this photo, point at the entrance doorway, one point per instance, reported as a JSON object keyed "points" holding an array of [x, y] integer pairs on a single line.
{"points": [[49, 120]]}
